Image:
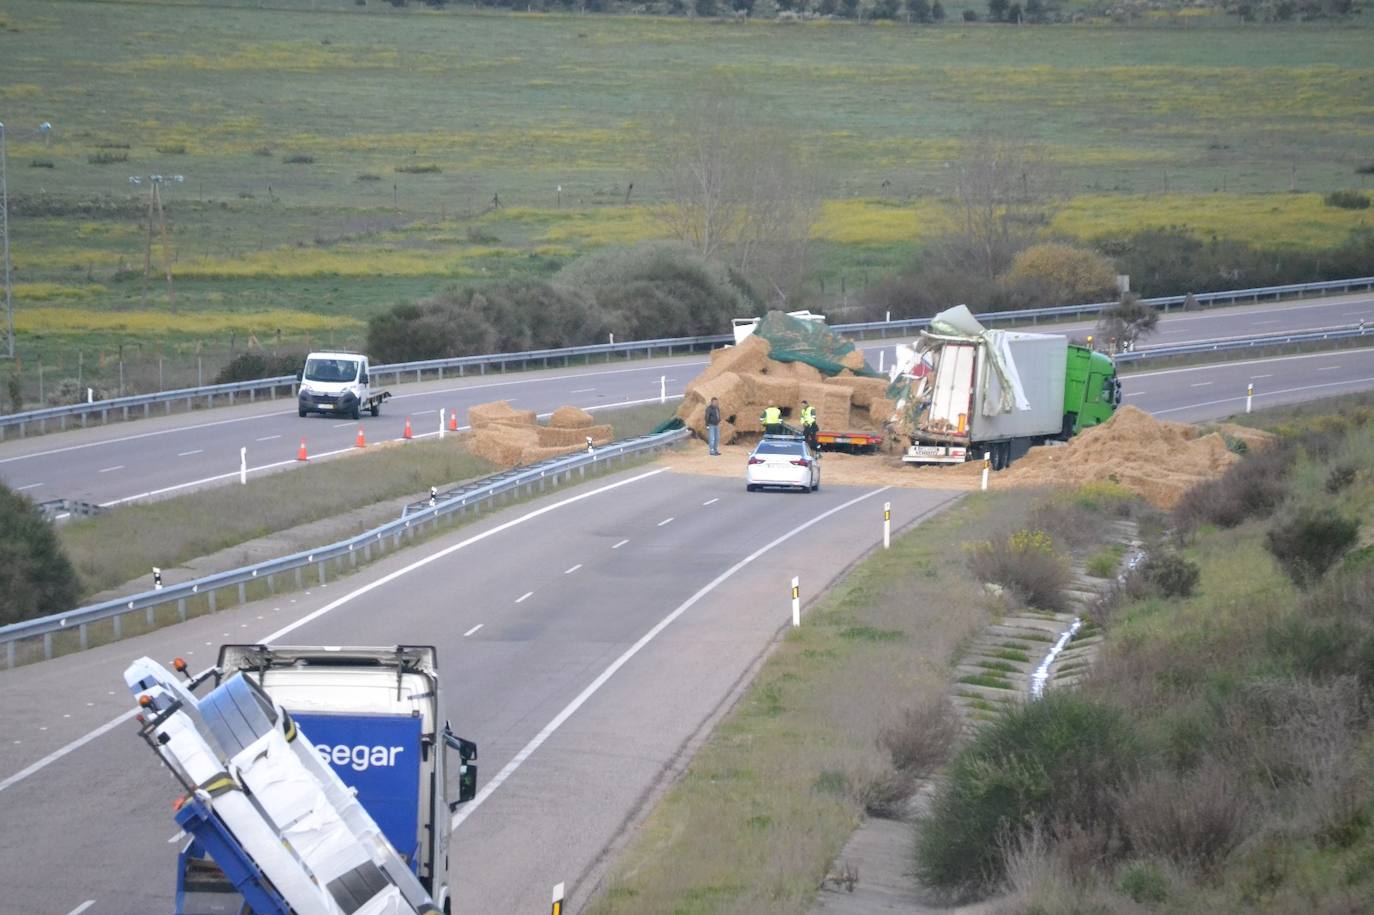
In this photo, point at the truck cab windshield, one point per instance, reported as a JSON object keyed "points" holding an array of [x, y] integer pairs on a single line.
{"points": [[331, 370]]}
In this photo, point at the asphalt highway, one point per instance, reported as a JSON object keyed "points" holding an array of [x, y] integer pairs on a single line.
{"points": [[587, 640], [167, 455]]}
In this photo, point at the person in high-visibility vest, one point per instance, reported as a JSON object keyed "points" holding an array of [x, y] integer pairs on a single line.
{"points": [[809, 424], [771, 418]]}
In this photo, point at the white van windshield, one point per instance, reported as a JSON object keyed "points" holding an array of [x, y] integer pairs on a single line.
{"points": [[331, 370]]}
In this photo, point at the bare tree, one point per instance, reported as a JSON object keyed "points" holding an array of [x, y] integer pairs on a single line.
{"points": [[737, 191], [1124, 323], [1003, 190]]}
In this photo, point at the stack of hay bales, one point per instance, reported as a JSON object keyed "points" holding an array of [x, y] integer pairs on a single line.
{"points": [[746, 381], [510, 438]]}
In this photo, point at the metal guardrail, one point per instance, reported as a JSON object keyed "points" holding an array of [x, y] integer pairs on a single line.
{"points": [[461, 365], [343, 553], [1241, 344]]}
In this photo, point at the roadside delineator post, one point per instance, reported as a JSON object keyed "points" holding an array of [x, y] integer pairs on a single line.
{"points": [[987, 465], [407, 435], [157, 579], [433, 495], [887, 524], [361, 442], [796, 601], [243, 466], [557, 900], [1249, 395], [300, 452], [441, 423], [881, 354], [662, 388]]}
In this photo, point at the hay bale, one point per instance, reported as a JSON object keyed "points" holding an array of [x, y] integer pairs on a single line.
{"points": [[770, 390], [881, 410], [808, 373], [727, 432], [854, 359], [748, 357], [502, 446], [551, 437], [728, 387], [498, 411], [863, 389], [571, 418], [833, 410]]}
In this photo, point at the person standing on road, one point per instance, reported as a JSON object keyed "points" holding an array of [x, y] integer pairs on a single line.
{"points": [[809, 426], [772, 421], [713, 426]]}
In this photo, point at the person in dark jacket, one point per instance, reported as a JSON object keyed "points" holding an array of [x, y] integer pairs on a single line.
{"points": [[713, 426]]}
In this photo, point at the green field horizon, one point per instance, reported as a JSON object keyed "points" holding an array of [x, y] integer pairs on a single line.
{"points": [[336, 161]]}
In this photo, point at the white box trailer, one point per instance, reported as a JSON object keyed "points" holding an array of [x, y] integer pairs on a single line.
{"points": [[977, 406]]}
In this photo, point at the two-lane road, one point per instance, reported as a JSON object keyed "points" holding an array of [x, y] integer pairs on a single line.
{"points": [[169, 454], [587, 640]]}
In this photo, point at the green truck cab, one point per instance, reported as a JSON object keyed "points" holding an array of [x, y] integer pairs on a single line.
{"points": [[1092, 392]]}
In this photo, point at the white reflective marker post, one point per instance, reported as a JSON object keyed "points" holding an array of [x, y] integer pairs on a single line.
{"points": [[987, 465], [796, 601], [887, 524], [557, 900], [243, 466], [441, 423], [1249, 395], [662, 388], [881, 354]]}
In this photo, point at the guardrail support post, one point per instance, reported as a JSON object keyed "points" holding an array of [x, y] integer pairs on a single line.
{"points": [[149, 616], [214, 604], [300, 579], [321, 568], [47, 646], [271, 584], [84, 637], [181, 609], [9, 655], [367, 552], [243, 592], [118, 621]]}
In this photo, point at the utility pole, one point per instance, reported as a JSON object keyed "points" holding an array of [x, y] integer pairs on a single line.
{"points": [[5, 236]]}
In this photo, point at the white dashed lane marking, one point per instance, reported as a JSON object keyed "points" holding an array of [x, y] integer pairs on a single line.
{"points": [[472, 630]]}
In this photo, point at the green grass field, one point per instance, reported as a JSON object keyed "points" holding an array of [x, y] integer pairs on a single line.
{"points": [[339, 159]]}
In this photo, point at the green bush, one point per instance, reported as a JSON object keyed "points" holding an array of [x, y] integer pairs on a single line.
{"points": [[36, 578], [1307, 541], [1025, 563], [1253, 486], [1171, 575], [1339, 478], [252, 366], [1144, 883], [1347, 200], [1059, 760]]}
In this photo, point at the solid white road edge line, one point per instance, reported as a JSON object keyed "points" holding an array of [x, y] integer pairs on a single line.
{"points": [[591, 689], [1363, 351], [434, 557], [339, 602], [1238, 397], [77, 744]]}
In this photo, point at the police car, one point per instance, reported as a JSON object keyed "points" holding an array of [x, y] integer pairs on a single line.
{"points": [[783, 461]]}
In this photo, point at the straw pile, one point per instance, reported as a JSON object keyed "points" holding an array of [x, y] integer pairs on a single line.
{"points": [[746, 381], [1157, 459], [511, 438]]}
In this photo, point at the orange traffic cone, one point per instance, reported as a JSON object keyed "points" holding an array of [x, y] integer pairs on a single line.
{"points": [[300, 454], [362, 442], [407, 434], [453, 420]]}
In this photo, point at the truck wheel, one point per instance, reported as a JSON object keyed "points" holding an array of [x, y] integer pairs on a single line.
{"points": [[750, 487], [301, 410], [356, 414], [377, 408]]}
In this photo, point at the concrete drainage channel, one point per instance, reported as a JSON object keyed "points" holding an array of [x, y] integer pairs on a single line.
{"points": [[1012, 661], [1025, 654]]}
